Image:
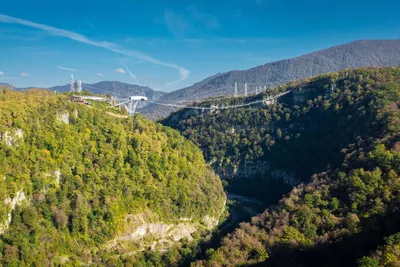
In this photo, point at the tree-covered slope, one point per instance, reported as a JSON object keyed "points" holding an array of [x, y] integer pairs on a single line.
{"points": [[80, 186], [333, 221], [364, 53], [387, 255], [279, 145], [343, 130]]}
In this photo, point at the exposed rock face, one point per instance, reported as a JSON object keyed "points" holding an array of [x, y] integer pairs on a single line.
{"points": [[20, 197], [57, 173], [11, 138], [161, 231], [17, 200], [7, 138], [161, 235], [56, 182], [64, 117], [251, 169], [209, 222], [18, 133], [11, 203]]}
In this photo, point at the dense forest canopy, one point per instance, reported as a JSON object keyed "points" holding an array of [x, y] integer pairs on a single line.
{"points": [[74, 176], [387, 255], [71, 175], [338, 136], [283, 144]]}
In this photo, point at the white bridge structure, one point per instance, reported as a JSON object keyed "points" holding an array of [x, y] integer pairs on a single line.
{"points": [[132, 103]]}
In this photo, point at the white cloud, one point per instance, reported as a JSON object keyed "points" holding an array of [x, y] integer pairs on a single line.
{"points": [[183, 73], [133, 76], [100, 74], [66, 69], [120, 70], [1, 73], [24, 74], [83, 39], [91, 24]]}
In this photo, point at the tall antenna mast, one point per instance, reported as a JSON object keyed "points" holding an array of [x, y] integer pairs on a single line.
{"points": [[236, 92], [72, 84], [78, 85]]}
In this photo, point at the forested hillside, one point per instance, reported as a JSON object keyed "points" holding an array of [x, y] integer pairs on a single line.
{"points": [[364, 53], [79, 186], [387, 255], [284, 143], [338, 135]]}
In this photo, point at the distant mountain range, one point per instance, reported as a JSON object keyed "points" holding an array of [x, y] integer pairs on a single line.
{"points": [[351, 55], [6, 85], [368, 53], [122, 90]]}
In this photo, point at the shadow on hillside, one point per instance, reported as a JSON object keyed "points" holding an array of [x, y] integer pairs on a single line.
{"points": [[345, 252], [238, 214]]}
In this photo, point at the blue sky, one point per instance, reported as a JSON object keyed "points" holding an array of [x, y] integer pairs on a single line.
{"points": [[169, 45]]}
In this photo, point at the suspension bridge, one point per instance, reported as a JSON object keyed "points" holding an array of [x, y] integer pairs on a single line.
{"points": [[222, 107], [133, 102]]}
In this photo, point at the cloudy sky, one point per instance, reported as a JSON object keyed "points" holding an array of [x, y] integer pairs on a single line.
{"points": [[168, 45]]}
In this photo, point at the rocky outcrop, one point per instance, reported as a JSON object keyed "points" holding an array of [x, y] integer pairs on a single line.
{"points": [[52, 183], [209, 222], [251, 169], [144, 234], [57, 174], [63, 117], [11, 138], [11, 203]]}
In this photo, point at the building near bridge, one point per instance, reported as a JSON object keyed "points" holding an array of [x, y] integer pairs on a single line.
{"points": [[78, 99], [269, 101]]}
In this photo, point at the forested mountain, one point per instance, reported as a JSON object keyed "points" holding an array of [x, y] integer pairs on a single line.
{"points": [[387, 255], [336, 139], [80, 186], [367, 53]]}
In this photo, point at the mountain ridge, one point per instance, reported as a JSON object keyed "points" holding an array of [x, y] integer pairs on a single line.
{"points": [[121, 89], [361, 53]]}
